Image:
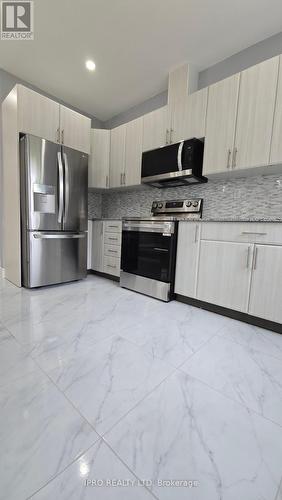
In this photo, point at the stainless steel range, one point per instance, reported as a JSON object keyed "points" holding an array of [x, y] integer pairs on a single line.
{"points": [[149, 245]]}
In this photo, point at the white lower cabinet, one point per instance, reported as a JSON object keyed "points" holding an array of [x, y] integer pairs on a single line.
{"points": [[266, 288], [97, 247], [224, 274], [187, 258], [105, 247], [233, 265]]}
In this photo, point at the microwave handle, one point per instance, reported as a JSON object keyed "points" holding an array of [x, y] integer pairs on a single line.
{"points": [[179, 155]]}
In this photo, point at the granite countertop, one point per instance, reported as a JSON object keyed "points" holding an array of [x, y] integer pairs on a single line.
{"points": [[208, 219]]}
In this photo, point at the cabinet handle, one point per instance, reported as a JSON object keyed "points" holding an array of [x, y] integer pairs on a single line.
{"points": [[58, 134], [248, 257], [171, 135], [63, 133], [228, 158], [121, 179], [235, 151], [196, 234], [255, 259], [112, 251], [109, 265], [124, 178], [107, 181], [166, 136], [101, 230], [114, 239], [254, 233]]}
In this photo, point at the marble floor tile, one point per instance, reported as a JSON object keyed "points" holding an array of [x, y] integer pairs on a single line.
{"points": [[184, 430], [40, 433], [109, 380], [101, 466], [11, 353], [254, 337], [172, 339], [241, 373]]}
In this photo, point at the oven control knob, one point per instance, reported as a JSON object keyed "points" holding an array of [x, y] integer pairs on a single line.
{"points": [[188, 203], [160, 205], [155, 205], [195, 204]]}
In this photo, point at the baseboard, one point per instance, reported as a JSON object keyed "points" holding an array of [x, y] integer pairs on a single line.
{"points": [[230, 313], [103, 275]]}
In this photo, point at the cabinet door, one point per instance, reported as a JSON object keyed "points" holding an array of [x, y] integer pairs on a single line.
{"points": [[75, 130], [224, 274], [187, 258], [117, 156], [276, 144], [255, 114], [133, 152], [266, 287], [99, 161], [97, 246], [38, 115], [190, 117], [89, 245], [220, 124], [154, 129]]}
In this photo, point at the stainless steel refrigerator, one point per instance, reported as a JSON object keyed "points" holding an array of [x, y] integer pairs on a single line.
{"points": [[54, 187]]}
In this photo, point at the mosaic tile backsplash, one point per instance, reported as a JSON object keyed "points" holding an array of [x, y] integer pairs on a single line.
{"points": [[257, 197], [94, 205]]}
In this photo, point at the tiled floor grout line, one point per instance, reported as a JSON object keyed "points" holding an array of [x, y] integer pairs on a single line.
{"points": [[228, 397], [100, 436], [279, 491], [246, 346]]}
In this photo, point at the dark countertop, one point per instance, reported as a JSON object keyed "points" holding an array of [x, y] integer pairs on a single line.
{"points": [[209, 219]]}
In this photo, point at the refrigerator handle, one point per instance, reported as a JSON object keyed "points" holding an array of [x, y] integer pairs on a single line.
{"points": [[67, 187], [61, 187]]}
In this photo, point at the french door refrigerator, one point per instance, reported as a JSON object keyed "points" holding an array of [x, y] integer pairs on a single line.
{"points": [[54, 187]]}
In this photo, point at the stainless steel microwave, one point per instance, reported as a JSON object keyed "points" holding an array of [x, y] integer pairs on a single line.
{"points": [[179, 164]]}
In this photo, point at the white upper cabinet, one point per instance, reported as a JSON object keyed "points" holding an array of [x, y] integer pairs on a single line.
{"points": [[265, 297], [75, 130], [38, 115], [220, 125], [189, 117], [155, 129], [255, 114], [187, 258], [133, 152], [99, 161], [225, 274], [43, 117], [276, 145], [117, 156]]}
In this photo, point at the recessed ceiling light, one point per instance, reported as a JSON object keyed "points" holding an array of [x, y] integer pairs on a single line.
{"points": [[90, 65]]}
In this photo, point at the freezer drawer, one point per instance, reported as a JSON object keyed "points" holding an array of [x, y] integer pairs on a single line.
{"points": [[54, 258]]}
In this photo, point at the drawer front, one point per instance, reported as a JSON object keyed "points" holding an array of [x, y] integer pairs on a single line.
{"points": [[112, 250], [112, 265], [247, 232], [112, 226], [112, 239]]}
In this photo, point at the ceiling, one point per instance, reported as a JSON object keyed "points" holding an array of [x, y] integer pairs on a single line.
{"points": [[134, 43]]}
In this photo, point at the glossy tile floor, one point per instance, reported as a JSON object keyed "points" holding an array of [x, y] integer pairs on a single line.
{"points": [[107, 394]]}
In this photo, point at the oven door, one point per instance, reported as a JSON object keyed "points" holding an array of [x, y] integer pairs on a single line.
{"points": [[148, 249]]}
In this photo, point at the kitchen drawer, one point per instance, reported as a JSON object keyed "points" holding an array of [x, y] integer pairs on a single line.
{"points": [[112, 226], [112, 265], [248, 232], [112, 250], [112, 239]]}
